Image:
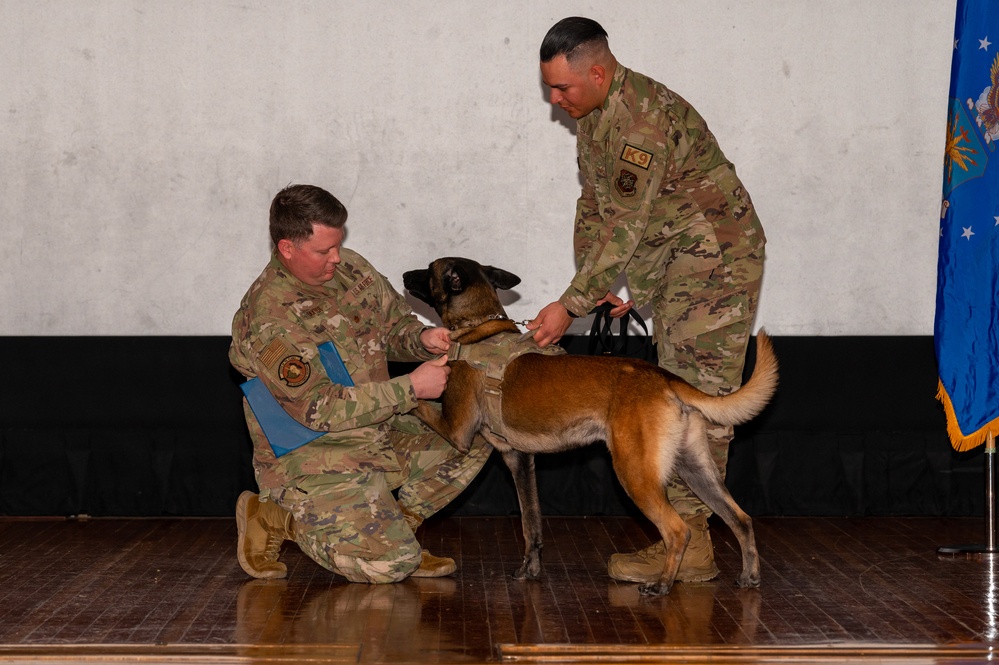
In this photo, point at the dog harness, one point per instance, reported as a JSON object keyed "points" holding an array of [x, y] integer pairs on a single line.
{"points": [[491, 356]]}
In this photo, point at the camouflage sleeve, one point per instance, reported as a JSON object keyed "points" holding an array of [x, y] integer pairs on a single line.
{"points": [[606, 236], [286, 360]]}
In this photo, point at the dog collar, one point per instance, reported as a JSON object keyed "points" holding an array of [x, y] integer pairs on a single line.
{"points": [[491, 317]]}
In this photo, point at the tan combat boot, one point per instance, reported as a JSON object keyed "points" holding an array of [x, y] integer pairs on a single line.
{"points": [[698, 562], [262, 527], [646, 565], [430, 566]]}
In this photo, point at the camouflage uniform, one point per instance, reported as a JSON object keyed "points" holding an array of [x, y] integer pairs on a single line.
{"points": [[661, 203], [340, 486]]}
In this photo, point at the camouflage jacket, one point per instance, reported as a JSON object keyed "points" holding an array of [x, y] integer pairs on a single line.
{"points": [[275, 334], [659, 199]]}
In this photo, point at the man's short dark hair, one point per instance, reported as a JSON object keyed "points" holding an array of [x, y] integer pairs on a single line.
{"points": [[297, 207], [566, 36]]}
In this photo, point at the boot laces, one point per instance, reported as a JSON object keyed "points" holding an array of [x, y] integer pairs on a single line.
{"points": [[656, 548], [273, 547]]}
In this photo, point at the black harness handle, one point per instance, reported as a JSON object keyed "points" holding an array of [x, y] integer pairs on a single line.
{"points": [[602, 338]]}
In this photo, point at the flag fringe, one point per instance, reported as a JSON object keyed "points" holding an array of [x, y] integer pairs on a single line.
{"points": [[959, 440]]}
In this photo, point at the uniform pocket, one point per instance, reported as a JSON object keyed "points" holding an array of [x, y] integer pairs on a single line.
{"points": [[696, 252], [708, 300]]}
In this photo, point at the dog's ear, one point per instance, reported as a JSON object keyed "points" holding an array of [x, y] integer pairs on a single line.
{"points": [[499, 278], [417, 282]]}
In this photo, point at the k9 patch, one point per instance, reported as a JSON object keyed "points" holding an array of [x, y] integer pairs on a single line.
{"points": [[294, 371], [625, 183], [640, 158]]}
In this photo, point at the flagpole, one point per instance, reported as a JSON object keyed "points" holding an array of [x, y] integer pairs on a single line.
{"points": [[990, 492], [990, 507]]}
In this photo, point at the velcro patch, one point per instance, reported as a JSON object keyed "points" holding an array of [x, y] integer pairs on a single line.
{"points": [[636, 156], [363, 284], [270, 355], [294, 371], [315, 311], [625, 183]]}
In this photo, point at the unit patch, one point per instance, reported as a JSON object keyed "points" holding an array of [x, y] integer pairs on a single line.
{"points": [[294, 371], [636, 156], [625, 183]]}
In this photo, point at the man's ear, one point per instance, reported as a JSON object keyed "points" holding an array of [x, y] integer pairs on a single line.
{"points": [[285, 248], [598, 75], [417, 282], [499, 278]]}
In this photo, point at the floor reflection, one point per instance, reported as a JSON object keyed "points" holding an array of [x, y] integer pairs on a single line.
{"points": [[387, 621], [991, 601], [693, 613]]}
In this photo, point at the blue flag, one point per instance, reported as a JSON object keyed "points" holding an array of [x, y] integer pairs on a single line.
{"points": [[966, 331]]}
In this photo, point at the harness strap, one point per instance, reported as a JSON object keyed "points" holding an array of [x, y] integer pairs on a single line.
{"points": [[491, 355], [494, 404]]}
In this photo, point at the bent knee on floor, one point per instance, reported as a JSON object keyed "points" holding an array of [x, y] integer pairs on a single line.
{"points": [[368, 552], [395, 567], [364, 566]]}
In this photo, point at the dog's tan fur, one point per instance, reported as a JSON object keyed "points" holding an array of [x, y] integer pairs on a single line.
{"points": [[652, 422]]}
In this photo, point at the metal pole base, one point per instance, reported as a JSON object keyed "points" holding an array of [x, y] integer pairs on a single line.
{"points": [[990, 546], [957, 550]]}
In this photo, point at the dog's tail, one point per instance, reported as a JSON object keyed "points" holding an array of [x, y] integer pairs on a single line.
{"points": [[745, 403]]}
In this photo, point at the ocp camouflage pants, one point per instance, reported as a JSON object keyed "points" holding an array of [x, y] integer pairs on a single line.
{"points": [[702, 324], [351, 522]]}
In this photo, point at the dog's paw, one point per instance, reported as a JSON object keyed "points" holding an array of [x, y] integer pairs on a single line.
{"points": [[463, 449], [748, 582]]}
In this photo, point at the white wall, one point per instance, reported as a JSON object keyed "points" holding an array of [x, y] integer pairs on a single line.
{"points": [[142, 142]]}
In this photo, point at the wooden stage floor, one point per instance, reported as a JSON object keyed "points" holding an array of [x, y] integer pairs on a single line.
{"points": [[869, 590]]}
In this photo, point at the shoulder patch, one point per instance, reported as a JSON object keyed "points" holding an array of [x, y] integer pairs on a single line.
{"points": [[640, 158], [625, 183], [270, 355], [294, 371]]}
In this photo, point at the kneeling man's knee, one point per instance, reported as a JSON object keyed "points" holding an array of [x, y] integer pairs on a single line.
{"points": [[394, 566]]}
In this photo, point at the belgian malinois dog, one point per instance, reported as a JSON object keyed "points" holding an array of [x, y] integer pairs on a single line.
{"points": [[652, 421]]}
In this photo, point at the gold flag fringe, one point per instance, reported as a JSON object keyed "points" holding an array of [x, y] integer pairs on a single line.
{"points": [[959, 440]]}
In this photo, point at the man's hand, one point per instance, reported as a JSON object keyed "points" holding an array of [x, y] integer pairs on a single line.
{"points": [[430, 378], [551, 323], [436, 340], [620, 307]]}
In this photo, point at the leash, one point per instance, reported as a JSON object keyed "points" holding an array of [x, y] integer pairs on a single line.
{"points": [[602, 338], [601, 333]]}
